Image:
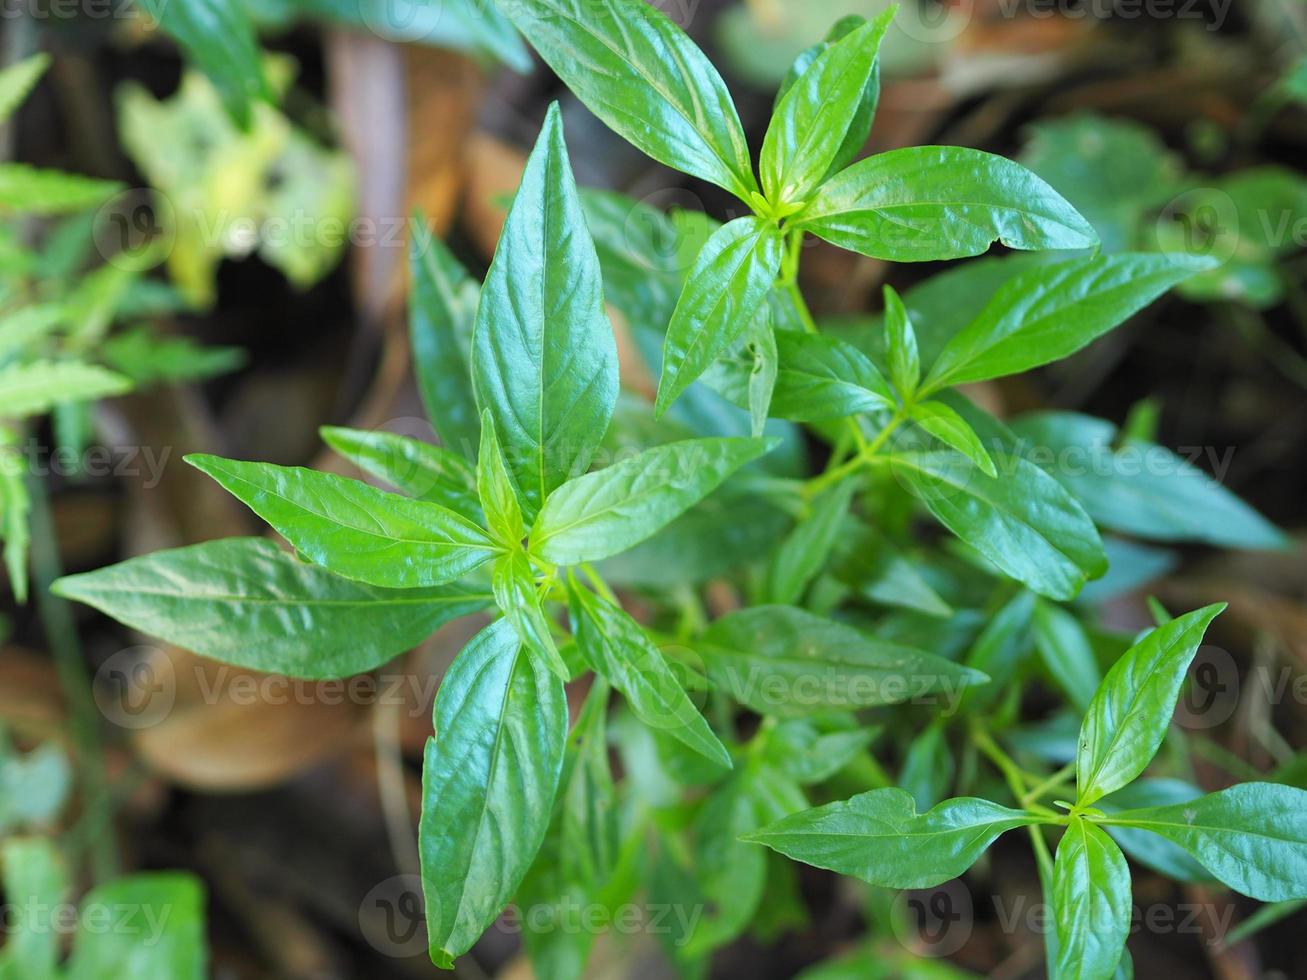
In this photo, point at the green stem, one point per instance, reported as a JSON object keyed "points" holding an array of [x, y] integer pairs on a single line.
{"points": [[1012, 773], [1053, 782], [865, 456], [61, 632]]}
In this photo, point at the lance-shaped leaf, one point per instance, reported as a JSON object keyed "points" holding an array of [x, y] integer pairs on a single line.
{"points": [[488, 784], [15, 502], [246, 602], [642, 75], [442, 309], [618, 649], [420, 469], [1091, 903], [1051, 311], [514, 583], [1130, 712], [822, 378], [805, 551], [1252, 837], [952, 429], [813, 118], [879, 837], [729, 282], [1023, 520], [1148, 848], [218, 38], [605, 512], [779, 660], [353, 529], [941, 202], [901, 345], [544, 359], [495, 488], [37, 387], [17, 80], [35, 191], [1067, 653]]}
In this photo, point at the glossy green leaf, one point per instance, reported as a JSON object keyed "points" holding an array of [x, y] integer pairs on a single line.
{"points": [[618, 649], [1023, 520], [495, 487], [643, 76], [488, 785], [727, 286], [950, 428], [168, 938], [879, 837], [901, 345], [812, 120], [424, 471], [763, 367], [1137, 487], [1091, 903], [37, 387], [1067, 653], [1252, 837], [442, 316], [1131, 711], [353, 529], [608, 511], [779, 660], [217, 37], [823, 378], [17, 80], [1052, 311], [246, 602], [941, 202], [804, 552], [544, 359], [1147, 848], [514, 584]]}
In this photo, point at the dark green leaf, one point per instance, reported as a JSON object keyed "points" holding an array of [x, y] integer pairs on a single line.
{"points": [[822, 378], [1067, 653], [246, 602], [420, 469], [805, 551], [488, 785]]}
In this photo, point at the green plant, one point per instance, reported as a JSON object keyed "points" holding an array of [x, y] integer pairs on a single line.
{"points": [[854, 630]]}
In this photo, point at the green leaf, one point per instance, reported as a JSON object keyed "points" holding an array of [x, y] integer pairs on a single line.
{"points": [[823, 378], [544, 359], [1000, 649], [928, 767], [1023, 520], [1131, 711], [806, 550], [608, 511], [488, 785], [872, 566], [859, 126], [619, 650], [14, 507], [218, 38], [728, 284], [1252, 837], [495, 488], [35, 885], [879, 837], [941, 202], [812, 120], [1091, 903], [950, 428], [588, 831], [762, 372], [37, 387], [31, 190], [148, 357], [353, 529], [1051, 311], [901, 345], [644, 77], [441, 317], [1148, 848], [1067, 653], [17, 80], [515, 592], [1138, 487], [246, 602], [168, 942], [779, 660], [811, 750], [420, 469]]}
